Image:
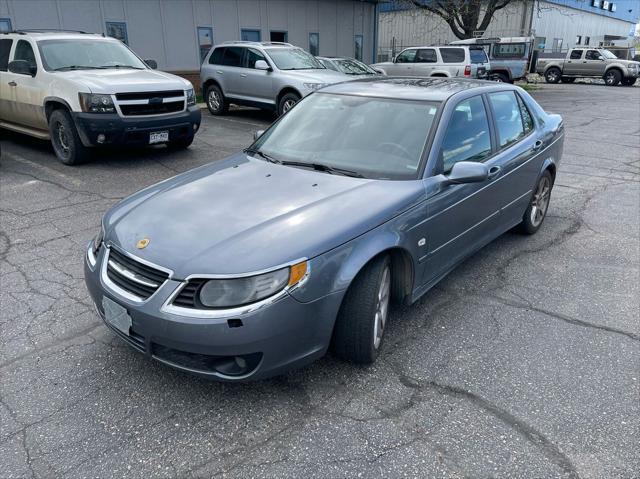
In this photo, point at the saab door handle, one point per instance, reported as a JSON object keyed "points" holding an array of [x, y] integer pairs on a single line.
{"points": [[494, 171], [12, 83], [243, 75], [537, 145]]}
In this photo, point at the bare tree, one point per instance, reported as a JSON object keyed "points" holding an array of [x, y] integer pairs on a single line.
{"points": [[464, 17]]}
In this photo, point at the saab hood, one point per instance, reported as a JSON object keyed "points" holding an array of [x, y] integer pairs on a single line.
{"points": [[244, 214]]}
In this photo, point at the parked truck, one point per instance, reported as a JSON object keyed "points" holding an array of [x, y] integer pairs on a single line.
{"points": [[509, 56], [589, 62]]}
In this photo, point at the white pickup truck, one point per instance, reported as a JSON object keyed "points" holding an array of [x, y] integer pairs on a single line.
{"points": [[85, 90]]}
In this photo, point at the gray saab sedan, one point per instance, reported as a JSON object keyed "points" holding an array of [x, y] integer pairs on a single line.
{"points": [[364, 194]]}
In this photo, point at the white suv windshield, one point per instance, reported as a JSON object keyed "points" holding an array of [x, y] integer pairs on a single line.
{"points": [[359, 136], [60, 55], [293, 59]]}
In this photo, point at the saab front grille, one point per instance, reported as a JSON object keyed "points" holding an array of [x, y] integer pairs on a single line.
{"points": [[132, 276], [188, 296]]}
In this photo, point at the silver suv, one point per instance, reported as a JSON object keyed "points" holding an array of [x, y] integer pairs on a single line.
{"points": [[268, 75], [449, 61]]}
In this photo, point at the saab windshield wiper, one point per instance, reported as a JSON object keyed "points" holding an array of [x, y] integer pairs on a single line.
{"points": [[324, 168], [262, 154]]}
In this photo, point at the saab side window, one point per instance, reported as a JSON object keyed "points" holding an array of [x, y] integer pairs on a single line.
{"points": [[407, 56], [527, 119], [252, 57], [467, 137], [426, 56], [507, 113], [24, 51], [575, 55]]}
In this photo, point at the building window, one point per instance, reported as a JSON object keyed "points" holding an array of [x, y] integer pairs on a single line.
{"points": [[205, 41], [5, 25], [586, 40], [314, 43], [578, 39], [557, 45], [117, 30], [357, 47], [596, 3], [612, 7], [605, 5], [248, 35], [279, 36]]}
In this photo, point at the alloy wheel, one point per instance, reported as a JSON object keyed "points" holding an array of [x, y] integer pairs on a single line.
{"points": [[214, 100], [63, 139], [288, 105], [382, 307], [540, 201]]}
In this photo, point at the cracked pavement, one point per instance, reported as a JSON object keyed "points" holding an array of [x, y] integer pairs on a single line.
{"points": [[524, 362]]}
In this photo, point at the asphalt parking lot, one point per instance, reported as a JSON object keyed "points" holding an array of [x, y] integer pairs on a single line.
{"points": [[525, 362]]}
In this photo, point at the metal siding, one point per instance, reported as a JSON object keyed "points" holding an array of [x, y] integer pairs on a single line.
{"points": [[344, 38], [113, 10], [202, 10], [181, 42], [34, 14], [145, 41], [277, 15], [81, 15], [297, 23], [327, 21], [225, 21], [249, 15]]}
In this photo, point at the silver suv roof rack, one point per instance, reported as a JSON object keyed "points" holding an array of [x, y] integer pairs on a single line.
{"points": [[23, 31], [247, 42]]}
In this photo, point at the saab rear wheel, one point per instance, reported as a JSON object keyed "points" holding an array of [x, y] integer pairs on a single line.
{"points": [[65, 139], [552, 75], [537, 209], [612, 77], [362, 319]]}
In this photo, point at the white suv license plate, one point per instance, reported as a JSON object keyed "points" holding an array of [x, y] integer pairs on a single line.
{"points": [[116, 315], [158, 137]]}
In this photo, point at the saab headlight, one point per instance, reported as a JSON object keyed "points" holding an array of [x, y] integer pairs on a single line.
{"points": [[96, 103], [97, 241], [191, 97], [233, 292]]}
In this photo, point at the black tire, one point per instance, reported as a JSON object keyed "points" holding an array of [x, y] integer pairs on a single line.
{"points": [[216, 102], [552, 75], [568, 79], [287, 102], [65, 139], [354, 334], [181, 144], [612, 77], [629, 81], [501, 78], [531, 223]]}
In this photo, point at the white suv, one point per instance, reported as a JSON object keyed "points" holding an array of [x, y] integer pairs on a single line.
{"points": [[83, 90]]}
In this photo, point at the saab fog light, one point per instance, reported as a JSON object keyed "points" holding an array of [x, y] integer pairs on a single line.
{"points": [[101, 138]]}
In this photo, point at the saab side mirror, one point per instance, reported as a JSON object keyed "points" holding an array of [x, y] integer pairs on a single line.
{"points": [[262, 65], [152, 64], [258, 133], [468, 172], [22, 67]]}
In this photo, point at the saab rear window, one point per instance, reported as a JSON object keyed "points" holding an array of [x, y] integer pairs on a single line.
{"points": [[5, 49], [478, 56], [452, 55], [508, 115]]}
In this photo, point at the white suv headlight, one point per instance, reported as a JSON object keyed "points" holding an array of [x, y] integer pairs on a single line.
{"points": [[96, 103], [191, 97]]}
